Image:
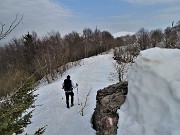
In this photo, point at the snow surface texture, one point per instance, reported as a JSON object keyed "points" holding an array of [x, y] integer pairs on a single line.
{"points": [[94, 73], [152, 106]]}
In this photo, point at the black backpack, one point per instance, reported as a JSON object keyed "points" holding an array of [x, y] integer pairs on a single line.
{"points": [[67, 85]]}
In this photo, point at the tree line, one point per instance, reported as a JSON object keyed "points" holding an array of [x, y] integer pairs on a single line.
{"points": [[131, 45], [144, 39], [28, 59], [28, 55], [42, 57]]}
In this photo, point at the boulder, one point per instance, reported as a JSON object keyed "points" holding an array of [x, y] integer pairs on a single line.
{"points": [[108, 101]]}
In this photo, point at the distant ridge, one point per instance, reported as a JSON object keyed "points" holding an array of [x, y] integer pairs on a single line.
{"points": [[122, 33]]}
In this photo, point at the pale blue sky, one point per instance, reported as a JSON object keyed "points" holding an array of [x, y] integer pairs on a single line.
{"points": [[64, 16]]}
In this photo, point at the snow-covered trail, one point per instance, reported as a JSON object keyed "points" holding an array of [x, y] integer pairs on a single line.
{"points": [[94, 73]]}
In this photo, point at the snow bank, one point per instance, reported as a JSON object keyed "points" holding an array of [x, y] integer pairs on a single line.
{"points": [[152, 106]]}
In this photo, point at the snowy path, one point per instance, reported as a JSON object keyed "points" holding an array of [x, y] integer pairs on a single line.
{"points": [[93, 74]]}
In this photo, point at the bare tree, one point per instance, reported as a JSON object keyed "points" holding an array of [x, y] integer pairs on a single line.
{"points": [[170, 37], [87, 35], [107, 40], [178, 25], [73, 40], [14, 24], [120, 70], [143, 38], [156, 36]]}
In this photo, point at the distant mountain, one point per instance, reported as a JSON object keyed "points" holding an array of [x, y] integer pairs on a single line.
{"points": [[122, 33]]}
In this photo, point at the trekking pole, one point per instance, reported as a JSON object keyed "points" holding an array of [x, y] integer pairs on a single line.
{"points": [[77, 93], [60, 93]]}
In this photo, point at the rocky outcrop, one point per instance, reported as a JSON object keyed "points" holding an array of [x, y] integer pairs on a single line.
{"points": [[108, 101]]}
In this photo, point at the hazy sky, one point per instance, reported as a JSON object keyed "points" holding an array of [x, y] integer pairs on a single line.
{"points": [[64, 16]]}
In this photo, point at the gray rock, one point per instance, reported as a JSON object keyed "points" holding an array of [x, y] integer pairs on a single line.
{"points": [[108, 101]]}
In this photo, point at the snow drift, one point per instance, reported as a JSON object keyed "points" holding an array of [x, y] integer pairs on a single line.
{"points": [[152, 106]]}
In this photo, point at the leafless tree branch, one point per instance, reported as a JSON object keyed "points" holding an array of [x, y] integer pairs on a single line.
{"points": [[13, 25]]}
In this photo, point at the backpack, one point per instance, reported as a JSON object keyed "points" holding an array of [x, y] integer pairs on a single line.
{"points": [[67, 85]]}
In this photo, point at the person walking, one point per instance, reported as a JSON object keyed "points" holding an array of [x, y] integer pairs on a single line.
{"points": [[68, 86]]}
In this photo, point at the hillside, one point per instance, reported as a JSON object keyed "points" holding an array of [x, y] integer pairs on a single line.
{"points": [[151, 106], [94, 73]]}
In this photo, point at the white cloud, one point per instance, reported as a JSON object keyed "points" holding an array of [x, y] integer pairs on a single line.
{"points": [[169, 14], [39, 15], [172, 9], [151, 2], [43, 16], [121, 16]]}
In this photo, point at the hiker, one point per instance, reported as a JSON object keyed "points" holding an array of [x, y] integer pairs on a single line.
{"points": [[68, 86]]}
